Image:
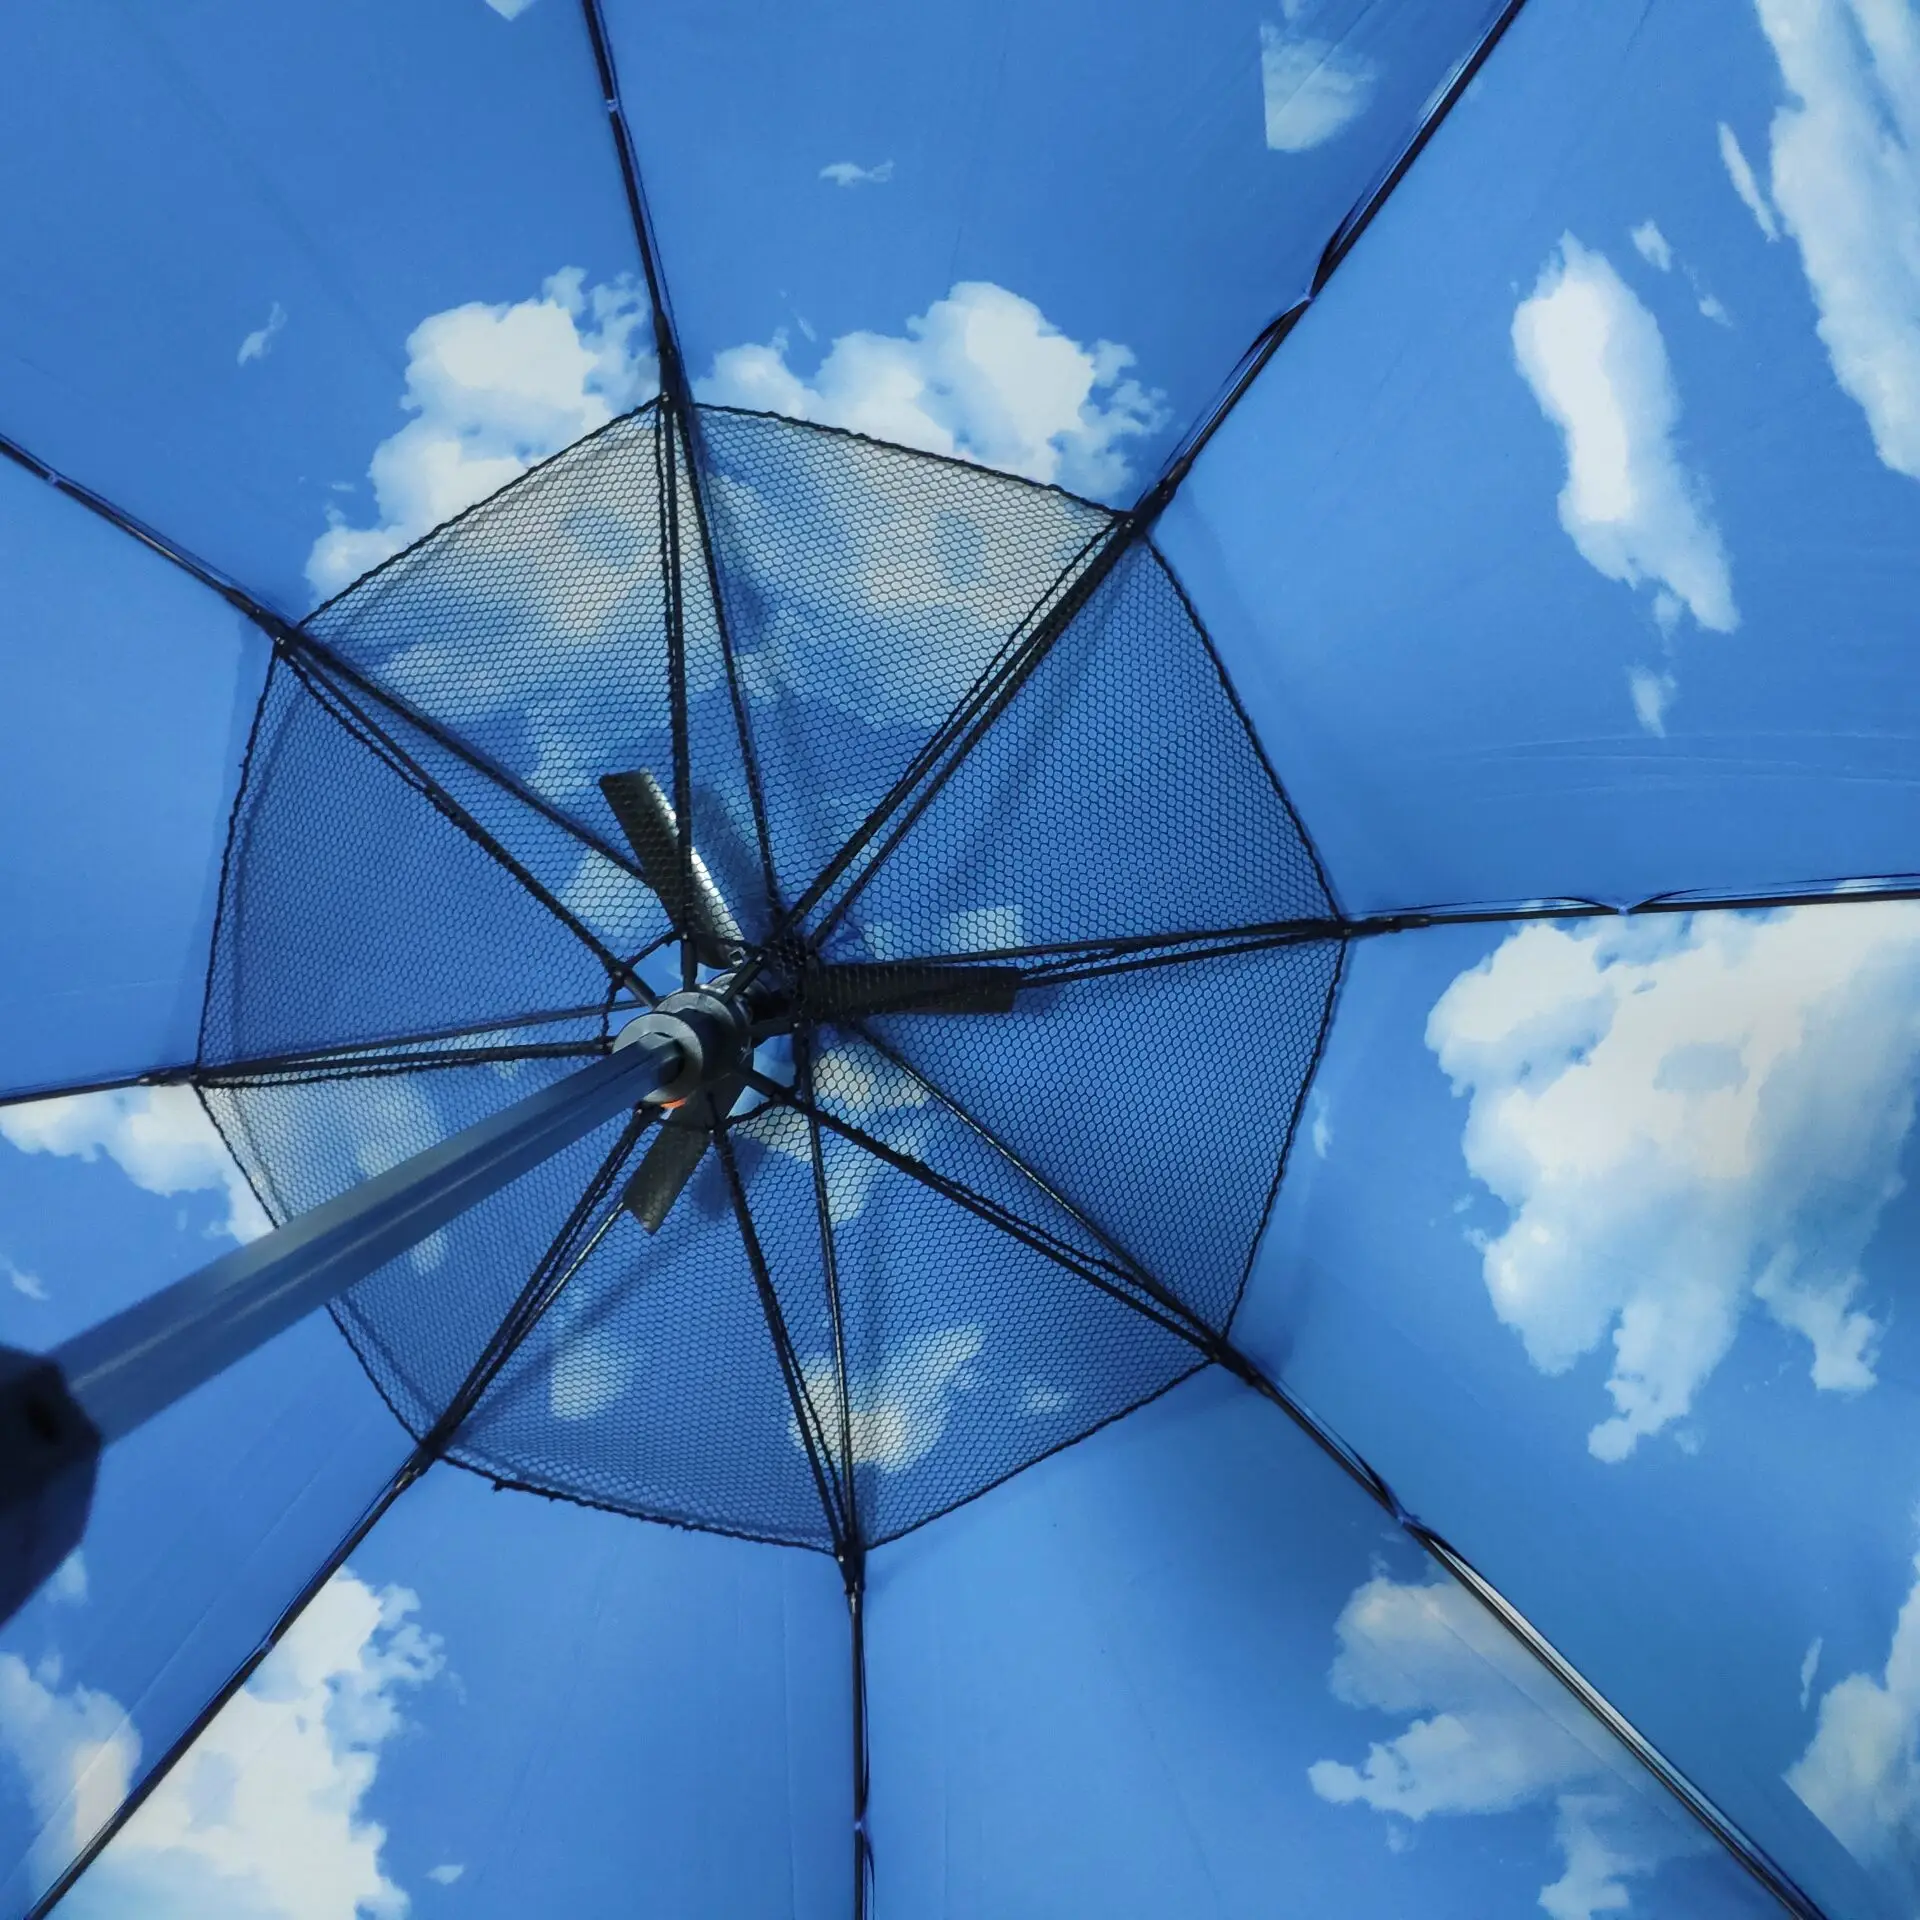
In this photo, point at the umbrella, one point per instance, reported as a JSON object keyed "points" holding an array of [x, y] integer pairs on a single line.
{"points": [[1057, 862]]}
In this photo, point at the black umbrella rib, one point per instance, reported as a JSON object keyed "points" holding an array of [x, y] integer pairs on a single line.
{"points": [[665, 446], [1757, 1862], [564, 1257], [361, 725], [736, 695], [215, 1073], [666, 339], [677, 390], [806, 1417], [830, 1266], [853, 1565], [376, 1065]]}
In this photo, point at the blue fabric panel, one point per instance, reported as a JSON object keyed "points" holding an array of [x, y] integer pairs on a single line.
{"points": [[1626, 1325], [126, 690], [1187, 1667], [1150, 176], [600, 1717], [205, 1523], [1683, 661], [239, 217]]}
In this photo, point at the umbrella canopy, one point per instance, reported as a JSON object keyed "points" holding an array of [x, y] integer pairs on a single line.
{"points": [[1270, 639]]}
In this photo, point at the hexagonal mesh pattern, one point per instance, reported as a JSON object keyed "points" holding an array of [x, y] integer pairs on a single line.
{"points": [[966, 1216]]}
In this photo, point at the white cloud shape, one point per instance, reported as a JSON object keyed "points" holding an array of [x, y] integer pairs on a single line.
{"points": [[849, 173], [1652, 246], [263, 1817], [259, 342], [1598, 367], [898, 1412], [982, 375], [493, 389], [160, 1137], [1860, 1774], [1313, 88], [1745, 183], [1490, 1731], [1688, 1121], [1846, 181]]}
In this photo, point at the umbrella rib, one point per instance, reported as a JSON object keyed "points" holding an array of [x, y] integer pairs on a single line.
{"points": [[742, 720], [377, 1065], [200, 1073], [1757, 1862], [564, 1257], [676, 391], [805, 1416], [829, 1260], [853, 1566], [395, 757], [668, 489]]}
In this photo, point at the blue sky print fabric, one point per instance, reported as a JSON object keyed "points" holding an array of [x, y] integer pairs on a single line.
{"points": [[1285, 629]]}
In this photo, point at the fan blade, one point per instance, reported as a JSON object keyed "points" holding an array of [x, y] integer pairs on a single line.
{"points": [[701, 911], [664, 1170], [860, 988]]}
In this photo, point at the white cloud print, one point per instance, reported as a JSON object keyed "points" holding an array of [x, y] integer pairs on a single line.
{"points": [[493, 390], [264, 1817], [1860, 1774], [1846, 184], [159, 1137], [1312, 87], [1490, 1731], [982, 375], [1688, 1120], [1598, 367]]}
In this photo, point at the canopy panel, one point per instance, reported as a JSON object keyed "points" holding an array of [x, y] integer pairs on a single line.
{"points": [[1187, 1667], [1625, 1324], [503, 1706], [1108, 203], [1566, 548], [126, 689], [251, 238]]}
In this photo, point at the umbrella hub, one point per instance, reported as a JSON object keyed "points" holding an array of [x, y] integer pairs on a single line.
{"points": [[713, 1028]]}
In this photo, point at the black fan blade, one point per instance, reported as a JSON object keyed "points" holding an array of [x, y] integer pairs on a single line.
{"points": [[664, 1170], [860, 988], [701, 911]]}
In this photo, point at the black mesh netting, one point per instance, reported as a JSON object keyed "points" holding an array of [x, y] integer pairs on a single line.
{"points": [[963, 767]]}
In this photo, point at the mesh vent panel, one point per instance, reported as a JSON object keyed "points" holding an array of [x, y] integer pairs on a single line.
{"points": [[417, 928]]}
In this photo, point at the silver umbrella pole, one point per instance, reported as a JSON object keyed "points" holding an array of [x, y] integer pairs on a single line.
{"points": [[58, 1409]]}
